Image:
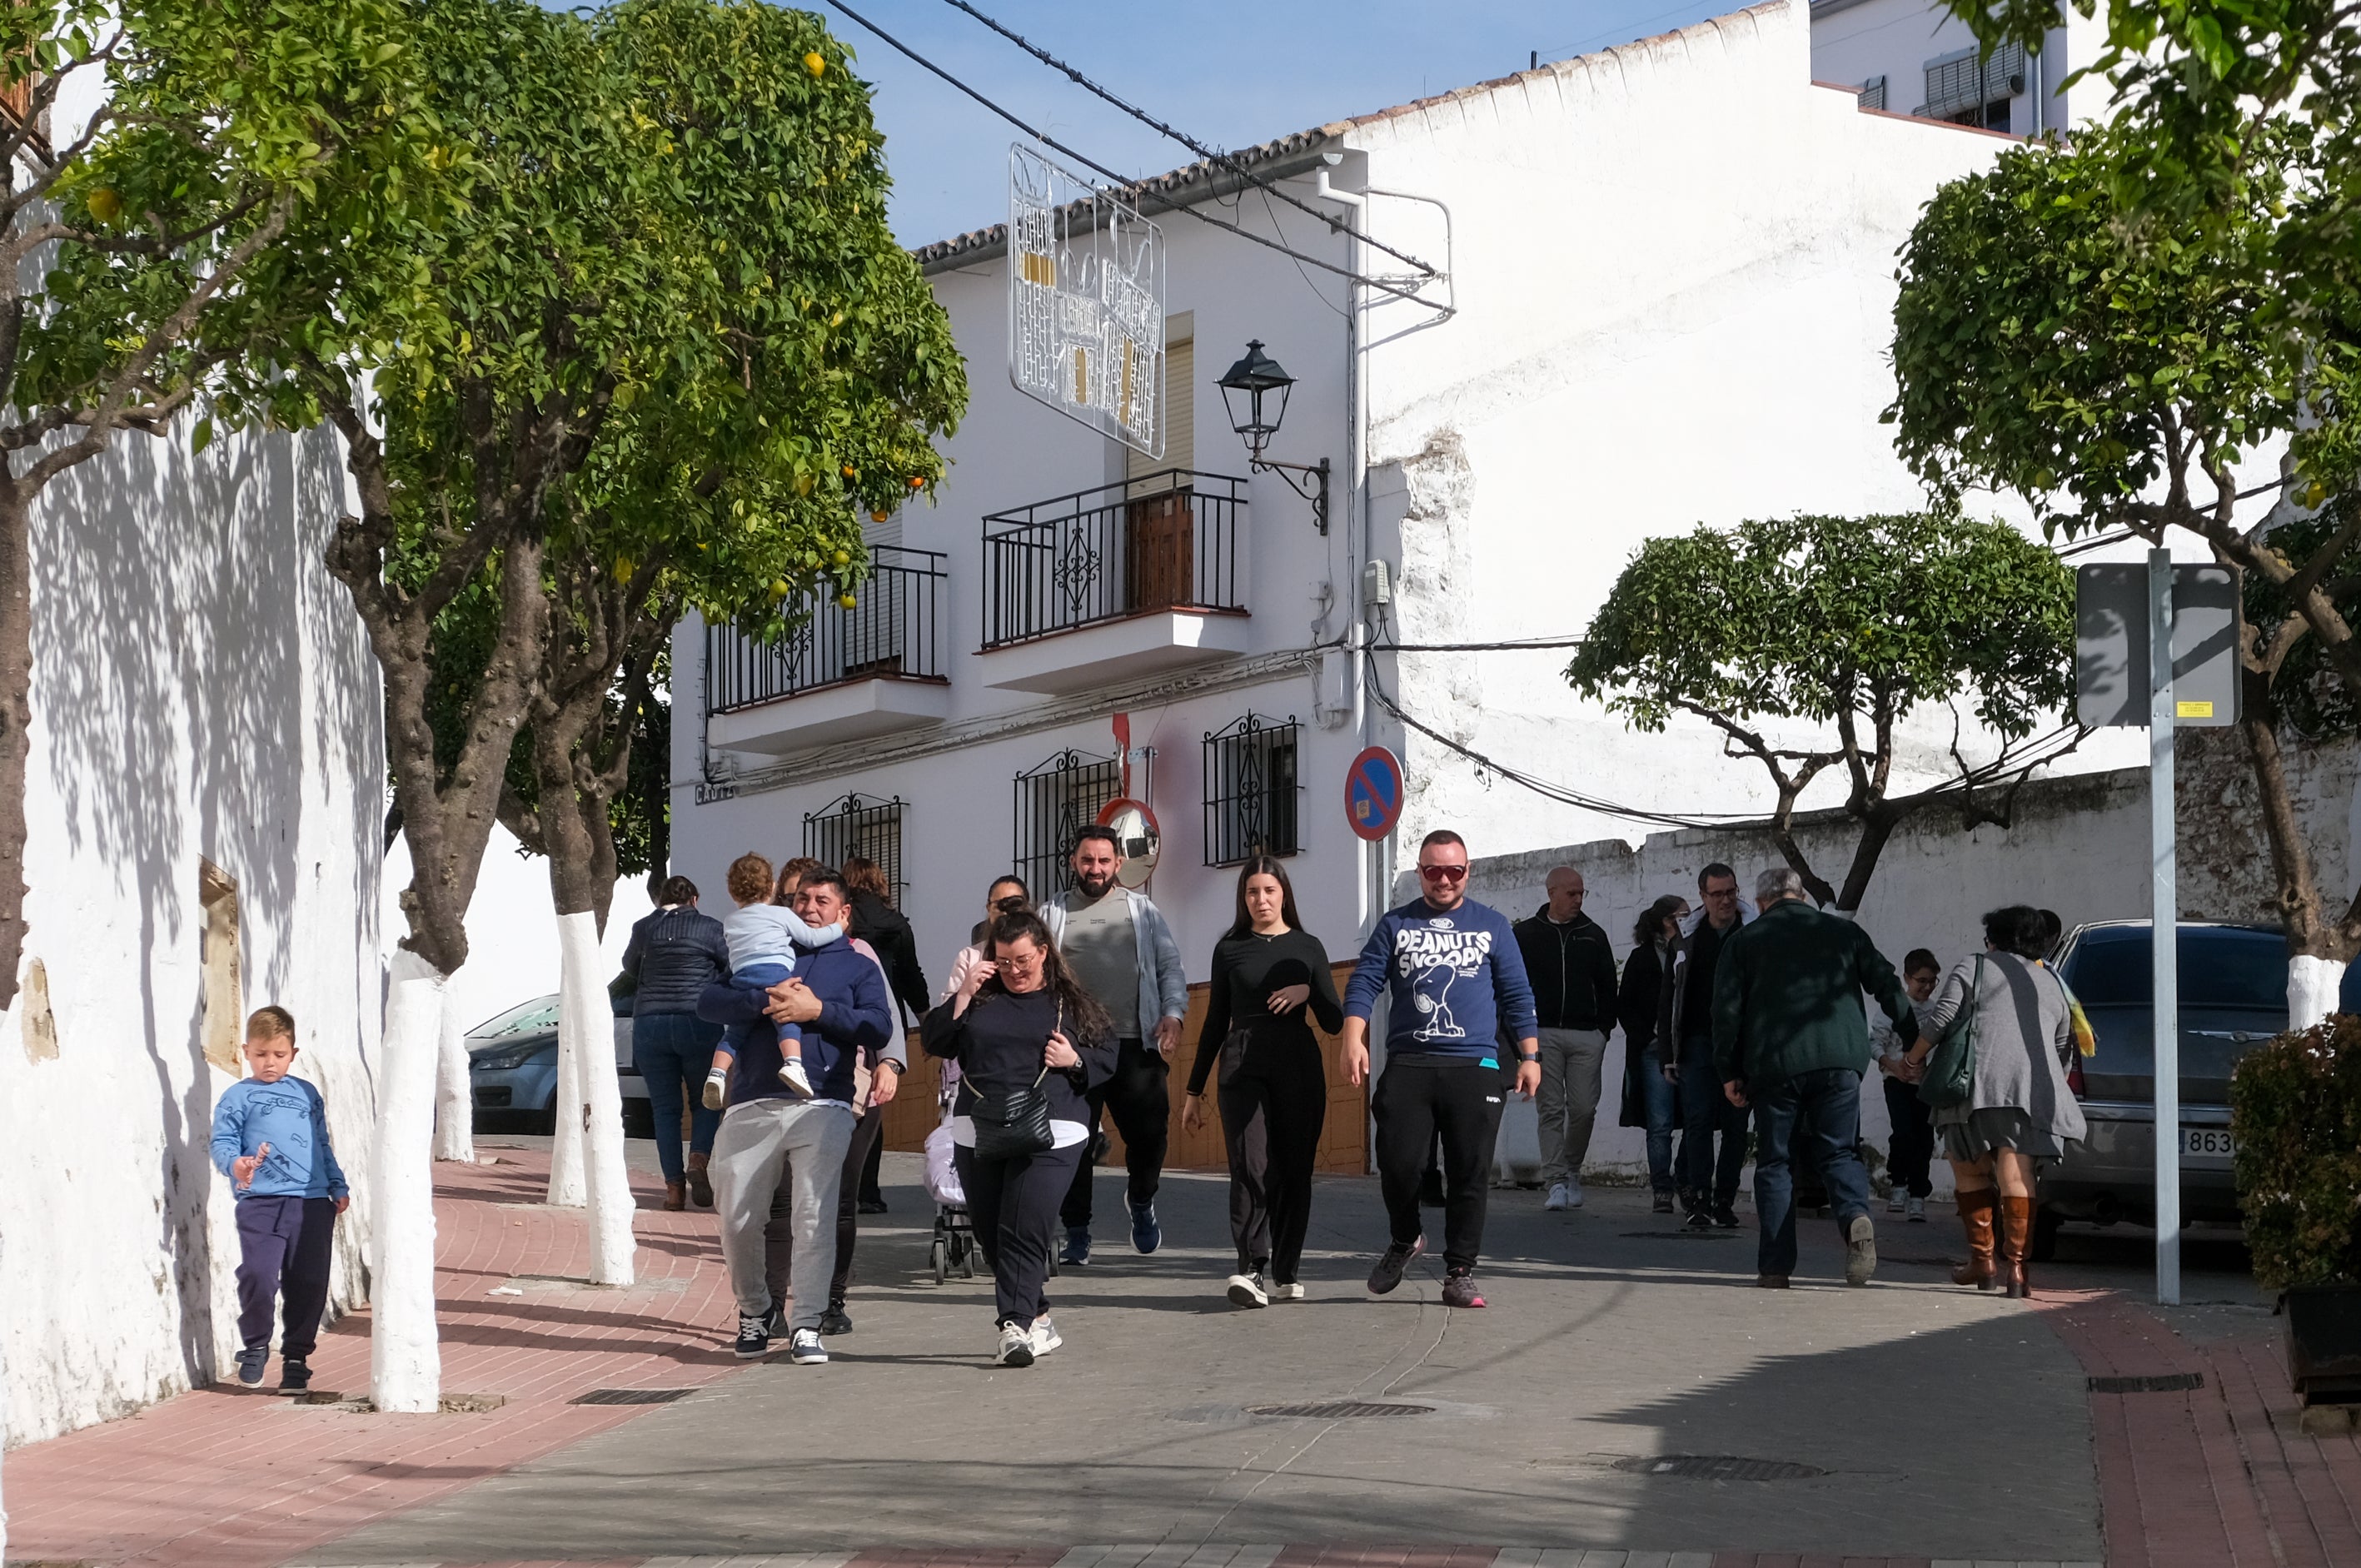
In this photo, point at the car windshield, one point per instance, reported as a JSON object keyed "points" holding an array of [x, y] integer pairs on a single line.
{"points": [[533, 1017], [2220, 966]]}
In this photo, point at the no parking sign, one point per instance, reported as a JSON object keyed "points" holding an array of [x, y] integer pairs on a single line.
{"points": [[1373, 793]]}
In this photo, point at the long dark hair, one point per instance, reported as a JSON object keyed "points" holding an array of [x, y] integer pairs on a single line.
{"points": [[1264, 865], [1650, 928], [2018, 929], [1085, 1018]]}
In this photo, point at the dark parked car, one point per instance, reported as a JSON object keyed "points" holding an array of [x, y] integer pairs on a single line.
{"points": [[512, 1069], [2233, 990]]}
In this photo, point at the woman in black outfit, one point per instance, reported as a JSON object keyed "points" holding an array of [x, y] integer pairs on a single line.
{"points": [[877, 922], [674, 954], [1018, 1019], [1270, 977], [1648, 1100]]}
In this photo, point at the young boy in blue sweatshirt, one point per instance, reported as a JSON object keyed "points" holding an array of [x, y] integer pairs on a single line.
{"points": [[270, 1138]]}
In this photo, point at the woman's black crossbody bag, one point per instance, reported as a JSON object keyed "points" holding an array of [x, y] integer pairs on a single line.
{"points": [[1013, 1122]]}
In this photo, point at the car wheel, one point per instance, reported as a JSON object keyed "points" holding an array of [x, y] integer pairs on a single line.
{"points": [[2045, 1235]]}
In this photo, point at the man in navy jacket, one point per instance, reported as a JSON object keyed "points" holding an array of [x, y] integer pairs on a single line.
{"points": [[839, 999]]}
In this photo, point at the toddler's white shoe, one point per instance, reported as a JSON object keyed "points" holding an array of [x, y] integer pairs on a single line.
{"points": [[791, 1073], [716, 1088]]}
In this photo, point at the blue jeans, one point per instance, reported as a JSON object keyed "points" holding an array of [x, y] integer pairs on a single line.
{"points": [[1829, 1100], [1662, 1099], [673, 1052], [1705, 1110]]}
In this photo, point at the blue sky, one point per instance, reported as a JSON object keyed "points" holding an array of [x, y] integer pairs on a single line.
{"points": [[1229, 72]]}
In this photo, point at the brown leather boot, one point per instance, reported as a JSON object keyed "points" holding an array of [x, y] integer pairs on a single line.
{"points": [[700, 1185], [2015, 1240], [675, 1196], [1976, 1218]]}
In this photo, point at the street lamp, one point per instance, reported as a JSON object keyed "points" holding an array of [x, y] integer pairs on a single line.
{"points": [[1254, 379]]}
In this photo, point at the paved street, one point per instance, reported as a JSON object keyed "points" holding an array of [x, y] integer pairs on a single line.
{"points": [[1906, 1421]]}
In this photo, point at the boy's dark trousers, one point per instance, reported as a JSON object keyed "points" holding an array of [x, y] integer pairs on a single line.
{"points": [[1910, 1156], [285, 1244]]}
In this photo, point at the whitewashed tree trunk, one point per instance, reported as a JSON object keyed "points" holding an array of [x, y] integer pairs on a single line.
{"points": [[585, 1033], [405, 1362], [567, 1188], [454, 1110], [2312, 985]]}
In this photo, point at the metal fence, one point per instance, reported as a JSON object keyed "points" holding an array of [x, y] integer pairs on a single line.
{"points": [[1055, 801], [1161, 542], [894, 629], [1251, 790]]}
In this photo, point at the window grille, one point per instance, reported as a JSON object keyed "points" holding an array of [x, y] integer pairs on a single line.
{"points": [[1872, 93], [1962, 86], [859, 825], [1055, 801], [1251, 790]]}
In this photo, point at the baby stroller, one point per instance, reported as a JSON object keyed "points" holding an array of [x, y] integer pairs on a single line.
{"points": [[955, 1248]]}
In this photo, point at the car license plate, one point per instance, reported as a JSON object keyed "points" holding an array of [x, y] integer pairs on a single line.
{"points": [[2212, 1145]]}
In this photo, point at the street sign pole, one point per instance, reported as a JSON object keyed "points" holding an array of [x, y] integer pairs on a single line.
{"points": [[2164, 928]]}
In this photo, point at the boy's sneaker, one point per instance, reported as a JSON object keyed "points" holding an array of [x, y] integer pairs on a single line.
{"points": [[1894, 1204], [1077, 1250], [1574, 1192], [1459, 1289], [753, 1336], [791, 1073], [1556, 1198], [717, 1089], [1388, 1271], [1701, 1218], [1664, 1202], [1146, 1234], [294, 1376], [805, 1349], [1016, 1346], [1291, 1291], [1917, 1213], [835, 1321], [1248, 1290], [250, 1363], [1045, 1336], [1861, 1250], [1725, 1217]]}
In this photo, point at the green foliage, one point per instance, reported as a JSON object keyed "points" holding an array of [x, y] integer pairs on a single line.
{"points": [[1826, 619], [2295, 1111]]}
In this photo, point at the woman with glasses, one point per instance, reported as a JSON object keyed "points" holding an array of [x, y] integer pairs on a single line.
{"points": [[1270, 979], [1020, 1021]]}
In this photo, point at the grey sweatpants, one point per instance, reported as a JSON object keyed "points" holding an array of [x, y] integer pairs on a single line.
{"points": [[760, 1141], [1568, 1102]]}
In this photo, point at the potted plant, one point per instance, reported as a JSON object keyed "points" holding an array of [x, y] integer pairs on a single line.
{"points": [[2295, 1114]]}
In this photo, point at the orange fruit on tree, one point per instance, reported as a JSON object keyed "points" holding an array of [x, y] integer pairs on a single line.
{"points": [[846, 601], [814, 63]]}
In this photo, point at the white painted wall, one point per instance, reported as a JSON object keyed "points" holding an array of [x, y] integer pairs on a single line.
{"points": [[202, 688]]}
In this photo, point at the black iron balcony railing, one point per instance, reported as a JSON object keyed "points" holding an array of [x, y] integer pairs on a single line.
{"points": [[1166, 542], [893, 632]]}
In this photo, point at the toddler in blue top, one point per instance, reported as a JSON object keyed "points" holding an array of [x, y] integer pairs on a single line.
{"points": [[762, 938], [270, 1138]]}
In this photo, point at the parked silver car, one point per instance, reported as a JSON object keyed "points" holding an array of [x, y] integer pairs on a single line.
{"points": [[2233, 990], [513, 1069]]}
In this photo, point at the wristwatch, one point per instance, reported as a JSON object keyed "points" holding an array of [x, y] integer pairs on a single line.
{"points": [[899, 1067], [1522, 1057]]}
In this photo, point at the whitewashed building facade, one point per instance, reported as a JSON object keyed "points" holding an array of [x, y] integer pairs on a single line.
{"points": [[1913, 56]]}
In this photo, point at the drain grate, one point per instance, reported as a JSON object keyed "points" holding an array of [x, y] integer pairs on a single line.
{"points": [[630, 1395], [2161, 1383], [1717, 1467], [1340, 1410]]}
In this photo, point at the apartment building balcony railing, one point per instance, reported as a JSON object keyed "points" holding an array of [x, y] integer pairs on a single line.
{"points": [[841, 673], [1149, 568]]}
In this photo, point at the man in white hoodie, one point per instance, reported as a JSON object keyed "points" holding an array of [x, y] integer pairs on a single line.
{"points": [[1708, 1186]]}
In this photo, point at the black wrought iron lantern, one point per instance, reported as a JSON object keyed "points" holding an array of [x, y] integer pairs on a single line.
{"points": [[1247, 392]]}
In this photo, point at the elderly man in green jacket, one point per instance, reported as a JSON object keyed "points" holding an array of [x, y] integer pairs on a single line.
{"points": [[1791, 1037]]}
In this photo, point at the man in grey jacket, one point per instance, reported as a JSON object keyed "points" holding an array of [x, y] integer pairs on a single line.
{"points": [[1119, 948]]}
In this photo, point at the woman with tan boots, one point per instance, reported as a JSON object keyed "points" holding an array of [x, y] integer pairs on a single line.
{"points": [[2018, 1113]]}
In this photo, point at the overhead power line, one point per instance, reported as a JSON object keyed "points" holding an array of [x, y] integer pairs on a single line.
{"points": [[1125, 181], [1211, 155]]}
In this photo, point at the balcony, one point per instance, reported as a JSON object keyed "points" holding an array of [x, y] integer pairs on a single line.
{"points": [[841, 674], [1124, 580]]}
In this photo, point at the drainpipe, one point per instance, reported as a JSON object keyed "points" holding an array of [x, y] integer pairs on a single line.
{"points": [[1369, 898]]}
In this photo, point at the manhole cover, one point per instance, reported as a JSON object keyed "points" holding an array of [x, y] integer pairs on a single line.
{"points": [[630, 1395], [1717, 1467], [2162, 1383], [1339, 1410]]}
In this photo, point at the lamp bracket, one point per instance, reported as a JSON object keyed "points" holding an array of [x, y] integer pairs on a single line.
{"points": [[1313, 487]]}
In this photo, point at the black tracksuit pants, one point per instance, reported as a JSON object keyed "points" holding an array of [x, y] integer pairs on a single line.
{"points": [[1416, 1103], [1910, 1156], [1141, 1104], [1013, 1204], [1271, 1116]]}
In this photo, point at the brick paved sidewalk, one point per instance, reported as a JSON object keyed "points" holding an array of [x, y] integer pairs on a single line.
{"points": [[230, 1475]]}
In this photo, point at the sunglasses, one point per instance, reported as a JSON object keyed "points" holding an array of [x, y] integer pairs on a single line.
{"points": [[1443, 873]]}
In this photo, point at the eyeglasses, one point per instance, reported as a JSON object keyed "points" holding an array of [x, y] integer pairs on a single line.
{"points": [[1443, 873]]}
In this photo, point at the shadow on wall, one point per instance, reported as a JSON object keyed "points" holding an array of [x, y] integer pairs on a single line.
{"points": [[191, 672]]}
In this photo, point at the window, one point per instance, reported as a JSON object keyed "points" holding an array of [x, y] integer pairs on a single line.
{"points": [[1969, 90], [859, 825], [224, 1025], [1055, 801], [1872, 93], [1180, 403], [1251, 790]]}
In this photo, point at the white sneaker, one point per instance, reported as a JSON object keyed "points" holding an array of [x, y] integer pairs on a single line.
{"points": [[717, 1089], [1016, 1346], [1045, 1336], [805, 1350], [1894, 1204], [1290, 1291], [1574, 1192], [1248, 1290], [791, 1073], [1917, 1211], [1556, 1198]]}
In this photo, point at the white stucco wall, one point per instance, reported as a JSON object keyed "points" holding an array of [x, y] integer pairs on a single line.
{"points": [[202, 689]]}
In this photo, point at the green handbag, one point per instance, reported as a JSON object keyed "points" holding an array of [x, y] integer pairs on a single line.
{"points": [[1951, 1064]]}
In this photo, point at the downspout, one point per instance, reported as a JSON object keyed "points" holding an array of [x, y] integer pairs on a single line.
{"points": [[1367, 898]]}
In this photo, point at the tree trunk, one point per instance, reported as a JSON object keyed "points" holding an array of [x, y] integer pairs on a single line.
{"points": [[405, 1362], [2319, 947], [16, 724], [586, 1034], [455, 1099], [1876, 831]]}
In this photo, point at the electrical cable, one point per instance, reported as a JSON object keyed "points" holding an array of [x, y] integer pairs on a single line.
{"points": [[1211, 155], [1121, 181]]}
